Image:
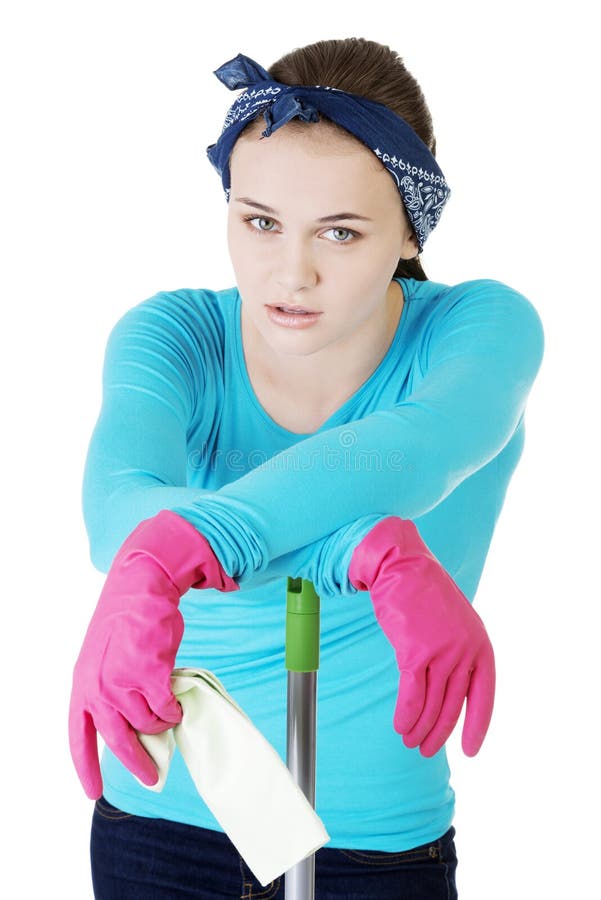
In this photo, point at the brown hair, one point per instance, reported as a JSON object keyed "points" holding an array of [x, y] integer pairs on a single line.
{"points": [[371, 70]]}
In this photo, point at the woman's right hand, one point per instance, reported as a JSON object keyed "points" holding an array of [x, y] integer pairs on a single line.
{"points": [[443, 651], [122, 677]]}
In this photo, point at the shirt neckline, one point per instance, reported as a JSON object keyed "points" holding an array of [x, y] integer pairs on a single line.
{"points": [[342, 411]]}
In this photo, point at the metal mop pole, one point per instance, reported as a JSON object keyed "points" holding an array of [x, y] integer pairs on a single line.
{"points": [[302, 662]]}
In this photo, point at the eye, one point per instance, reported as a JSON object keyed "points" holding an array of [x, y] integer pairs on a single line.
{"points": [[259, 219], [249, 219]]}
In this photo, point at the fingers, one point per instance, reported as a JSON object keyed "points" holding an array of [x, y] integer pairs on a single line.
{"points": [[410, 699], [443, 697], [454, 695], [165, 706], [122, 740], [480, 702], [149, 714], [84, 751], [434, 696], [119, 734]]}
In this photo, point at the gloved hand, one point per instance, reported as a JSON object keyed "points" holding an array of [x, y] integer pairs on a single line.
{"points": [[443, 651], [122, 677]]}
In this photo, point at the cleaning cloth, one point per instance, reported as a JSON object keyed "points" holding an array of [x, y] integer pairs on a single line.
{"points": [[239, 775]]}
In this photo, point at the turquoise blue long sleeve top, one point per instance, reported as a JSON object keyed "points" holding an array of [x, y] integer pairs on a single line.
{"points": [[433, 435]]}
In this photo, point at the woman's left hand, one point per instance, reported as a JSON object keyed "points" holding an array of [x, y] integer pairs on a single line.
{"points": [[443, 651]]}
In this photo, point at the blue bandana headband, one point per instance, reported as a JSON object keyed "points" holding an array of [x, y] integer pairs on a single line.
{"points": [[417, 175]]}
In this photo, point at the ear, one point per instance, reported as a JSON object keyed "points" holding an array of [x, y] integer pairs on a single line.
{"points": [[409, 247]]}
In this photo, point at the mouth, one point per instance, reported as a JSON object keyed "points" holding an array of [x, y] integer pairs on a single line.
{"points": [[299, 310]]}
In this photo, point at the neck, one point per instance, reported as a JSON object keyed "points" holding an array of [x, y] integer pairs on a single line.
{"points": [[333, 374]]}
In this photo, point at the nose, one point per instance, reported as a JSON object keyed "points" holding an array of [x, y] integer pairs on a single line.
{"points": [[297, 268]]}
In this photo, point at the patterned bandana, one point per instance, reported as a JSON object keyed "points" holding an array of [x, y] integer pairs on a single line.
{"points": [[417, 176]]}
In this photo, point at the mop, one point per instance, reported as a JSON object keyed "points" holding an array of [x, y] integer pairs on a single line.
{"points": [[302, 663]]}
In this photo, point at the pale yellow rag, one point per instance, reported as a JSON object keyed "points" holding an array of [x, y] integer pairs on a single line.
{"points": [[239, 775]]}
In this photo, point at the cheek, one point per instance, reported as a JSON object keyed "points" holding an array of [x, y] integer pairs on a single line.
{"points": [[247, 263], [250, 255]]}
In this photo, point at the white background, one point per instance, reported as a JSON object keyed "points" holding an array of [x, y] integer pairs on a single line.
{"points": [[108, 197]]}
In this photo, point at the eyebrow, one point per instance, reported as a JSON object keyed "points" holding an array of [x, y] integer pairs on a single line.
{"points": [[336, 217]]}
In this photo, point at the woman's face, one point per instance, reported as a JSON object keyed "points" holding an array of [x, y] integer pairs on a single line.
{"points": [[342, 269]]}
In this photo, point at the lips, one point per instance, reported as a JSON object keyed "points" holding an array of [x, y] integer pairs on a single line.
{"points": [[298, 309]]}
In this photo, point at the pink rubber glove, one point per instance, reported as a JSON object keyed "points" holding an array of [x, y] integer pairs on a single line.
{"points": [[122, 677], [443, 651]]}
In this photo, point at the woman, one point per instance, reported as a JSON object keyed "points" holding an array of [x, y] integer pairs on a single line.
{"points": [[335, 416]]}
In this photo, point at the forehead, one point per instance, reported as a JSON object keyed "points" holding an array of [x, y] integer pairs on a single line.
{"points": [[317, 157]]}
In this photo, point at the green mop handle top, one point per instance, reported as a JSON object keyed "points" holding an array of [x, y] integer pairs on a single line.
{"points": [[302, 626]]}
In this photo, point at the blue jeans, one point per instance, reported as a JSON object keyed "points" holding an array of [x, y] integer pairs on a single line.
{"points": [[140, 858]]}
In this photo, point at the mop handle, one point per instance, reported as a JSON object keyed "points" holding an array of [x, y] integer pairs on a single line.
{"points": [[302, 626], [302, 662]]}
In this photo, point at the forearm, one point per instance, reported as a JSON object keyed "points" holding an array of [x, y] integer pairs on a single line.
{"points": [[293, 501], [325, 562], [110, 520]]}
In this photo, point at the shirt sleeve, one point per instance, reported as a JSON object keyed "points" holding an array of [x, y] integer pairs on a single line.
{"points": [[479, 357], [154, 387], [159, 383]]}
